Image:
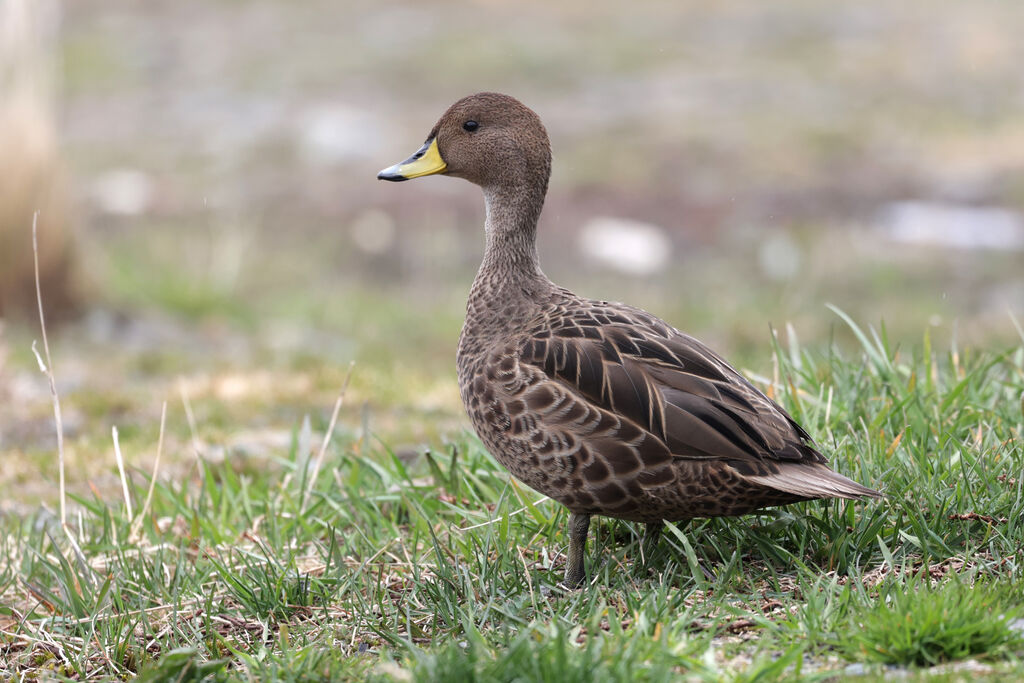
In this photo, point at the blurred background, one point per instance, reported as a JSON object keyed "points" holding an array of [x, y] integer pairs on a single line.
{"points": [[211, 226]]}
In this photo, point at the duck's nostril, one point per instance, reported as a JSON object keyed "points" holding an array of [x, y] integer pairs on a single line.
{"points": [[420, 152]]}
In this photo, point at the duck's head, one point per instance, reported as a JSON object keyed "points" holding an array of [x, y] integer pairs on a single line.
{"points": [[489, 139]]}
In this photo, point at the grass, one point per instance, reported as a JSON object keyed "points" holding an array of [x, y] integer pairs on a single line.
{"points": [[437, 566], [919, 625]]}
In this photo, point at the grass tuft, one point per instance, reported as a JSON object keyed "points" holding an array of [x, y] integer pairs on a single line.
{"points": [[922, 625]]}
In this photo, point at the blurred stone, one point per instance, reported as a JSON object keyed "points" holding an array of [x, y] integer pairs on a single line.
{"points": [[123, 192], [970, 666], [336, 133], [855, 669], [625, 245], [953, 225], [779, 257]]}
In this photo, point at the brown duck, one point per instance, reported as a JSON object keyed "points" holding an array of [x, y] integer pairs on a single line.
{"points": [[601, 406]]}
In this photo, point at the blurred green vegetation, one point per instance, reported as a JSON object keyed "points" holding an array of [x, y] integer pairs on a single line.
{"points": [[221, 159]]}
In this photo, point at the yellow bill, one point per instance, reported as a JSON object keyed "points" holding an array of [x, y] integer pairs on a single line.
{"points": [[426, 161]]}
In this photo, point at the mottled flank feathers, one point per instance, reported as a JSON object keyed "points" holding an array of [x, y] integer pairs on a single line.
{"points": [[610, 411]]}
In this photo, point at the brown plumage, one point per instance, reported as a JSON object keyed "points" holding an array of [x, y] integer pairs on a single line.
{"points": [[601, 406]]}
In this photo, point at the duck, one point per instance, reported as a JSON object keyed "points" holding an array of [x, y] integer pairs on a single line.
{"points": [[600, 406]]}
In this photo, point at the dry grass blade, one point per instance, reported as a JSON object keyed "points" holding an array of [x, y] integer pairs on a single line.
{"points": [[48, 369], [137, 522], [327, 437], [120, 471], [495, 520], [1016, 325], [196, 446]]}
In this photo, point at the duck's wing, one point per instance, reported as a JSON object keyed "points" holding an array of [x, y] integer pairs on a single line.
{"points": [[667, 397]]}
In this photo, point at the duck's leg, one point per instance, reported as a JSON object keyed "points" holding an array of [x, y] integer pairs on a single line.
{"points": [[575, 574]]}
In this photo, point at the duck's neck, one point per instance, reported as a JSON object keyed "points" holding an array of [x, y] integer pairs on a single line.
{"points": [[509, 285], [510, 254]]}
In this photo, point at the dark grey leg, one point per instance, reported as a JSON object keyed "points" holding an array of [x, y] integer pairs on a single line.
{"points": [[575, 574]]}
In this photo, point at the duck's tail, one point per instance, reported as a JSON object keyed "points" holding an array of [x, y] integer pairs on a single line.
{"points": [[813, 480]]}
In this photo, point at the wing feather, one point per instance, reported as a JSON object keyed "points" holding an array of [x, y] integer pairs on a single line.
{"points": [[628, 396]]}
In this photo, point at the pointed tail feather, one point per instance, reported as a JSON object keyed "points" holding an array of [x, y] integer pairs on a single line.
{"points": [[814, 481]]}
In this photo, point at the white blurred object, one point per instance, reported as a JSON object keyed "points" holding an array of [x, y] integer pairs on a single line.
{"points": [[333, 134], [779, 257], [953, 225], [123, 191], [625, 245]]}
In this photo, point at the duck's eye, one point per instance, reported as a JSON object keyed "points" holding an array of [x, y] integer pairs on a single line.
{"points": [[470, 126]]}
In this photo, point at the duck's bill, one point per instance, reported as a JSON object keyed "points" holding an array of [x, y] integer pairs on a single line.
{"points": [[426, 161]]}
